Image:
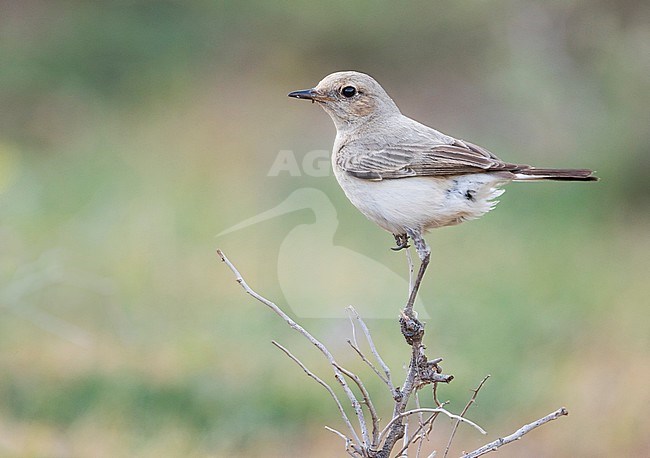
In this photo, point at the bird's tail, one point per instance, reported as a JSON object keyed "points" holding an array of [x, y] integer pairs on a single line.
{"points": [[535, 174]]}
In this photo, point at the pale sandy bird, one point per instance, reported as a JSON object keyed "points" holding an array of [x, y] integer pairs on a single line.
{"points": [[407, 177]]}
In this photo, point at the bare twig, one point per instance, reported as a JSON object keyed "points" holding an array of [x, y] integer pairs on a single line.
{"points": [[428, 409], [355, 346], [349, 447], [420, 423], [462, 414], [326, 386], [435, 396], [354, 328], [373, 349], [366, 400], [419, 436], [365, 360], [492, 446], [295, 326], [338, 433]]}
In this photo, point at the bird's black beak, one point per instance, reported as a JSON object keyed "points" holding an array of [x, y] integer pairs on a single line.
{"points": [[307, 94]]}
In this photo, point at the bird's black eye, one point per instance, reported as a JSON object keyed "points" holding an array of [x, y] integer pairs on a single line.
{"points": [[348, 91]]}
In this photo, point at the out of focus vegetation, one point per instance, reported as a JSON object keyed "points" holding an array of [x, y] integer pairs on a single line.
{"points": [[133, 132]]}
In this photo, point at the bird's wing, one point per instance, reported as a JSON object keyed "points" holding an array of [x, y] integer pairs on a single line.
{"points": [[410, 160]]}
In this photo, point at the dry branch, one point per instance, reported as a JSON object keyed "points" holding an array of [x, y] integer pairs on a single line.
{"points": [[327, 387], [462, 414], [373, 349], [421, 372], [372, 366], [295, 326], [429, 409], [366, 400], [492, 446], [349, 447]]}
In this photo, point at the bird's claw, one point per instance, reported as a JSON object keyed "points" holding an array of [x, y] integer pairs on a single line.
{"points": [[402, 241]]}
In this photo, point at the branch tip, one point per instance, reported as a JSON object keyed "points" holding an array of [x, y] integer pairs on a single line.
{"points": [[492, 446]]}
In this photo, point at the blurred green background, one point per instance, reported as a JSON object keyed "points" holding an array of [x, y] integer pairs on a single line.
{"points": [[131, 133]]}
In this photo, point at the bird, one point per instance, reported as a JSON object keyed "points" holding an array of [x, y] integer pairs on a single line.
{"points": [[306, 242], [405, 176]]}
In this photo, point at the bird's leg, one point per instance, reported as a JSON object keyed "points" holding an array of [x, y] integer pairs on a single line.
{"points": [[402, 241], [425, 371], [424, 252]]}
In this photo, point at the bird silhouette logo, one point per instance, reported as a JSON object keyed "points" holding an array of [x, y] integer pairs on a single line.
{"points": [[320, 279]]}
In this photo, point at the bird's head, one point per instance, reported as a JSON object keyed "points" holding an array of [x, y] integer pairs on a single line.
{"points": [[350, 98]]}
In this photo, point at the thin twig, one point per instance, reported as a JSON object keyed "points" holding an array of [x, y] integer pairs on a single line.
{"points": [[419, 436], [434, 416], [354, 328], [373, 349], [295, 326], [428, 423], [365, 360], [348, 443], [435, 396], [355, 346], [428, 409], [420, 423], [462, 414], [492, 446], [325, 385], [338, 433], [367, 401]]}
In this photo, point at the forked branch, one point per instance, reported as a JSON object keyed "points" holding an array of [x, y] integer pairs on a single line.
{"points": [[373, 442], [329, 390], [467, 406], [295, 326]]}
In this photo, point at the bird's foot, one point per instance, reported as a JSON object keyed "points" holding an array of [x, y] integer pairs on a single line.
{"points": [[402, 241]]}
